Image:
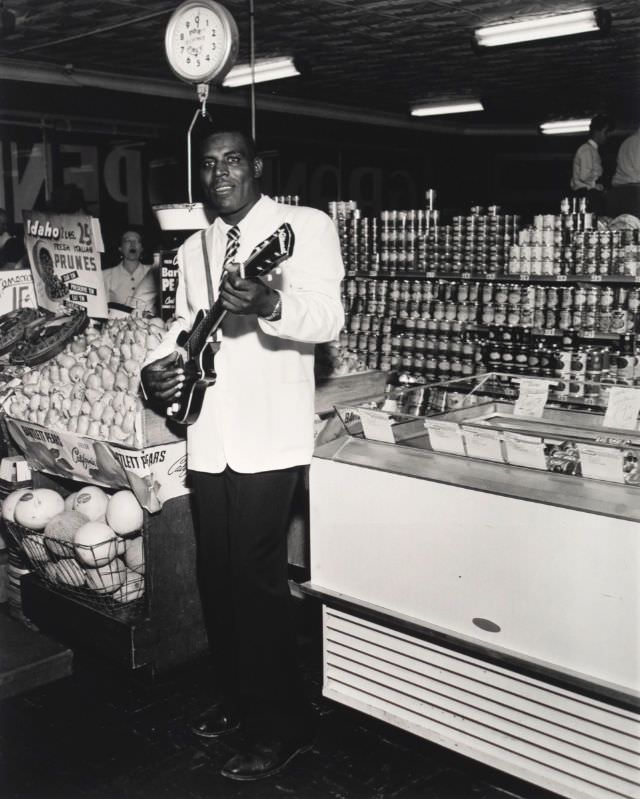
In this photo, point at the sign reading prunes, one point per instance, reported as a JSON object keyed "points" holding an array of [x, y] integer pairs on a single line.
{"points": [[64, 254]]}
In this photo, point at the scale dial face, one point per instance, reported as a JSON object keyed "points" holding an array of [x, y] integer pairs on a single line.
{"points": [[201, 41]]}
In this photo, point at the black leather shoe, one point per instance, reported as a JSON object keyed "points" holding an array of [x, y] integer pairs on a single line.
{"points": [[215, 722], [260, 760]]}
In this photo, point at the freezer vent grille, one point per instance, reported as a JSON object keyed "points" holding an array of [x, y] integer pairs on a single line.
{"points": [[579, 747]]}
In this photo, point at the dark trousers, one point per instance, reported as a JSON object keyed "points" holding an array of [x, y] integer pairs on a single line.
{"points": [[241, 530]]}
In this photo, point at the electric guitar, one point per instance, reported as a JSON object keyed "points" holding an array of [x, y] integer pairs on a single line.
{"points": [[199, 367]]}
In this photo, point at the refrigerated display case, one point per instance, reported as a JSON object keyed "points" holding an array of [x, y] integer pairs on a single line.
{"points": [[487, 600]]}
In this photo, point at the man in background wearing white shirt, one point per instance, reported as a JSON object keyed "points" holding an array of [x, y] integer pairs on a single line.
{"points": [[624, 196], [587, 165], [251, 439]]}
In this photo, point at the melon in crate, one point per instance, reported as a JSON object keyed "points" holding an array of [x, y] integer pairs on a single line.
{"points": [[60, 532], [34, 546], [69, 572], [134, 554], [10, 502], [132, 588], [124, 513], [107, 579], [37, 507], [95, 544], [92, 501]]}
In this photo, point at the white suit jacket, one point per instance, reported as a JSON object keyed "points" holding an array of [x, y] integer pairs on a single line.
{"points": [[259, 414]]}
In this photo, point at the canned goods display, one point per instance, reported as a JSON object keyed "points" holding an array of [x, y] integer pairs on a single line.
{"points": [[409, 272]]}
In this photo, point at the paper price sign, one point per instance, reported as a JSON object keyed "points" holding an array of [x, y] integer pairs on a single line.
{"points": [[376, 426], [483, 444], [445, 437], [64, 254], [532, 398], [601, 463], [622, 408], [16, 290], [525, 451]]}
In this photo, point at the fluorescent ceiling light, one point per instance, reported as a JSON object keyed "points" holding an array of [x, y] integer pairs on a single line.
{"points": [[264, 69], [545, 27], [566, 126], [438, 109]]}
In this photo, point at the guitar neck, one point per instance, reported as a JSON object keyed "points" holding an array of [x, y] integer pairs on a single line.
{"points": [[209, 323]]}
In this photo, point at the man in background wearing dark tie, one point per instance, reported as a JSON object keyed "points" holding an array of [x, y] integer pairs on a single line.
{"points": [[253, 436]]}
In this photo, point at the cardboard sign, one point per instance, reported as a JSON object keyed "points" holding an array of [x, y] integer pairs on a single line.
{"points": [[154, 474], [532, 398], [525, 451], [376, 425], [64, 253], [601, 463], [622, 408], [16, 290], [445, 437], [168, 283], [483, 444]]}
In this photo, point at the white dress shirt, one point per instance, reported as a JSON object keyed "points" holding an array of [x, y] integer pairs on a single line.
{"points": [[628, 161], [259, 414], [587, 166]]}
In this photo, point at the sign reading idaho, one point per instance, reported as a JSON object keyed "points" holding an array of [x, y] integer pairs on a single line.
{"points": [[64, 254]]}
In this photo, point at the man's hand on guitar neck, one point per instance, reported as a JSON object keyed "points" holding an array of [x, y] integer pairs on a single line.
{"points": [[241, 296], [163, 379]]}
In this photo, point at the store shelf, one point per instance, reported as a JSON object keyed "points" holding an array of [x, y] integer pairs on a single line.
{"points": [[503, 278]]}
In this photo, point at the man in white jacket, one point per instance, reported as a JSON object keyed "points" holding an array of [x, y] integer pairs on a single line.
{"points": [[246, 449]]}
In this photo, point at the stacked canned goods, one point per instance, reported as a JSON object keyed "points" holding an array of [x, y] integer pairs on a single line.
{"points": [[287, 199], [476, 244], [551, 249], [400, 233], [592, 309]]}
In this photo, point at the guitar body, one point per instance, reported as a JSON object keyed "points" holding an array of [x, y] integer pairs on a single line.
{"points": [[199, 367], [199, 375]]}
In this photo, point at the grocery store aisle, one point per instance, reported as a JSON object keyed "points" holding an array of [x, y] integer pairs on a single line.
{"points": [[101, 735]]}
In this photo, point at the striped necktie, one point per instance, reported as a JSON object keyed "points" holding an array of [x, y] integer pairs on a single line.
{"points": [[233, 242]]}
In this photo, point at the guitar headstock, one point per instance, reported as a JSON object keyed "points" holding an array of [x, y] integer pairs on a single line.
{"points": [[271, 252]]}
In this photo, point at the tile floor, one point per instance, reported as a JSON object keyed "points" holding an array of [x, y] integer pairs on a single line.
{"points": [[100, 734]]}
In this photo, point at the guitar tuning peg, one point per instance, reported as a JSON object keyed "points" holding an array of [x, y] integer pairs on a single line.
{"points": [[278, 270], [269, 278]]}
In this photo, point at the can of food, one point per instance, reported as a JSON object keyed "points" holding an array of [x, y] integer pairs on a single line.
{"points": [[550, 319]]}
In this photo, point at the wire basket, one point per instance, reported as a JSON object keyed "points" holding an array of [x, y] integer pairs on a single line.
{"points": [[96, 574]]}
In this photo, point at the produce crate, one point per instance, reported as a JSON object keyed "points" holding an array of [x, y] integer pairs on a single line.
{"points": [[94, 574]]}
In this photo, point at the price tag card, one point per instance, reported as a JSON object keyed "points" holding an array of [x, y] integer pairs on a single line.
{"points": [[376, 425], [445, 437], [622, 408], [532, 398], [484, 444], [525, 451], [601, 463]]}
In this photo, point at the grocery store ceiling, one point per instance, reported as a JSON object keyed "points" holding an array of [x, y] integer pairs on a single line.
{"points": [[363, 57]]}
